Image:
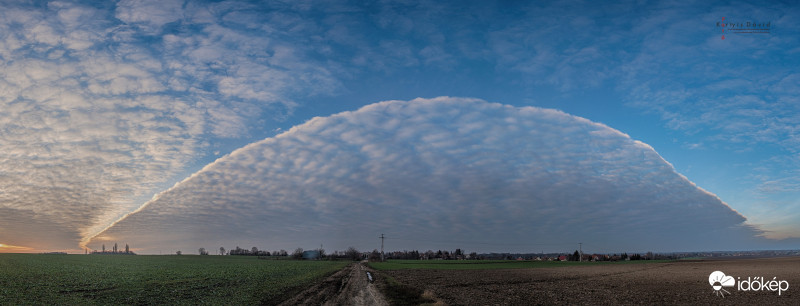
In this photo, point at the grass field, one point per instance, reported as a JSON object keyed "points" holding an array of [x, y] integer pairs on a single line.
{"points": [[490, 264], [109, 279]]}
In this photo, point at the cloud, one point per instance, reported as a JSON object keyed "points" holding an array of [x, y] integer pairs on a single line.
{"points": [[443, 169], [121, 99], [151, 15], [7, 248], [732, 95], [105, 104], [560, 46]]}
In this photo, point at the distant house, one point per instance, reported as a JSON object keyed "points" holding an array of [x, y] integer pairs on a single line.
{"points": [[562, 258], [313, 254]]}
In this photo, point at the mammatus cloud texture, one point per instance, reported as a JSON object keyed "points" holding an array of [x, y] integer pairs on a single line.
{"points": [[444, 169]]}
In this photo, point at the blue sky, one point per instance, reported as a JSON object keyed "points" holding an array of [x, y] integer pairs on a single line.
{"points": [[107, 104]]}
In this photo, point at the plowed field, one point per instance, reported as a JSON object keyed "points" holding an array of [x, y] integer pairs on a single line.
{"points": [[676, 282]]}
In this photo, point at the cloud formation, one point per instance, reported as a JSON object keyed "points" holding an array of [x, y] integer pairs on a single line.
{"points": [[444, 169], [104, 103], [735, 96]]}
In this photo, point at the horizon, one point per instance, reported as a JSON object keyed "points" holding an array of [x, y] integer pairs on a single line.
{"points": [[186, 124], [426, 250]]}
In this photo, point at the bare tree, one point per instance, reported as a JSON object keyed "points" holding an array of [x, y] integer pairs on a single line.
{"points": [[298, 253], [202, 251], [178, 253], [221, 251], [375, 255], [353, 253]]}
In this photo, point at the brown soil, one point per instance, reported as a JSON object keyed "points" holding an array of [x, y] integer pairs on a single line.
{"points": [[349, 286], [680, 282]]}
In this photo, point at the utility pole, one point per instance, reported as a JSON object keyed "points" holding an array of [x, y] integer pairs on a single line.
{"points": [[382, 246], [580, 246]]}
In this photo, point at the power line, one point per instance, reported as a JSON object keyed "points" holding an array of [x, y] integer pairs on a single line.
{"points": [[382, 237]]}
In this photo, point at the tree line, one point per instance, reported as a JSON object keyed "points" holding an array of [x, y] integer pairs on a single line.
{"points": [[458, 254], [115, 251], [254, 251], [351, 253]]}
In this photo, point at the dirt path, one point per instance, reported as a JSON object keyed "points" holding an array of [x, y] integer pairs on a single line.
{"points": [[349, 286]]}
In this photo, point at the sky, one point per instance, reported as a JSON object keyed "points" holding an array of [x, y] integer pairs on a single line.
{"points": [[487, 126]]}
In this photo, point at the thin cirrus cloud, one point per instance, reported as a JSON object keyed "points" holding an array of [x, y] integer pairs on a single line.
{"points": [[735, 97], [104, 103], [443, 169]]}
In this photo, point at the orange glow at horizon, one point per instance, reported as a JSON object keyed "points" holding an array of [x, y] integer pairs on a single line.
{"points": [[5, 248]]}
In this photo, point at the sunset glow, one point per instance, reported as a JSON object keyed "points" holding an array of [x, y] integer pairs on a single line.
{"points": [[5, 248]]}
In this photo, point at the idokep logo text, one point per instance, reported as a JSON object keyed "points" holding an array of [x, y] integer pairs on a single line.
{"points": [[719, 281]]}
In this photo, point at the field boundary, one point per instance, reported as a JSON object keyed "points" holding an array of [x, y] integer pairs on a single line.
{"points": [[494, 264]]}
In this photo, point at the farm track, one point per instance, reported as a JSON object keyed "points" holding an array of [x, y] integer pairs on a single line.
{"points": [[349, 286]]}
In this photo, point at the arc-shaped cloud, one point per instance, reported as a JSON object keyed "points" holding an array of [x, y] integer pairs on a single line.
{"points": [[437, 170], [102, 104]]}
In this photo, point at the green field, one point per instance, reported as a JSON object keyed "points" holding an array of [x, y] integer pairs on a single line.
{"points": [[110, 279], [489, 264]]}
